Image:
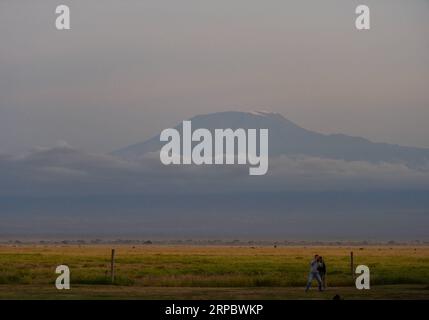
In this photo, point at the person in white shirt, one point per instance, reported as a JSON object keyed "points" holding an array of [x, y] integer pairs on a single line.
{"points": [[314, 273]]}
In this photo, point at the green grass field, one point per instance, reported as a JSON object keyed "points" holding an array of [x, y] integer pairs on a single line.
{"points": [[209, 272]]}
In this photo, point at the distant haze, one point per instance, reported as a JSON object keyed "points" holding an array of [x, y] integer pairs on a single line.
{"points": [[128, 69]]}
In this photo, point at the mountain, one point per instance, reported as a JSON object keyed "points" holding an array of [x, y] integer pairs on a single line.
{"points": [[287, 138]]}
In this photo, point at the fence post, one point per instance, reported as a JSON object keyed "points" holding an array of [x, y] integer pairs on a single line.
{"points": [[112, 266]]}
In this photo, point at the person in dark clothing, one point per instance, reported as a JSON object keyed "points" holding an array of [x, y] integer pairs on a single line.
{"points": [[321, 268]]}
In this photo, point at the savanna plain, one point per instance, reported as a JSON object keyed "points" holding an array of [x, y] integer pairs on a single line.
{"points": [[27, 271]]}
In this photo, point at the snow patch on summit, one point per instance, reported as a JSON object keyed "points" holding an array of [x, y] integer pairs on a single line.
{"points": [[263, 113]]}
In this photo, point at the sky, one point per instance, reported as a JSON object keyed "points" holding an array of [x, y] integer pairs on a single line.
{"points": [[128, 69]]}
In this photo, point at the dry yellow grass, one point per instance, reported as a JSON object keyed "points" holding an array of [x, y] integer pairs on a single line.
{"points": [[167, 266]]}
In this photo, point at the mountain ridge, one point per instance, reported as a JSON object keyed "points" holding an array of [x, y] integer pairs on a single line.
{"points": [[288, 138]]}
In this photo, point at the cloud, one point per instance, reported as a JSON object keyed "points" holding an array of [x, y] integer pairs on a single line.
{"points": [[64, 170], [66, 191], [315, 173]]}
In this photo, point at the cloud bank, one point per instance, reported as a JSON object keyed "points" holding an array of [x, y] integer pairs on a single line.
{"points": [[65, 170]]}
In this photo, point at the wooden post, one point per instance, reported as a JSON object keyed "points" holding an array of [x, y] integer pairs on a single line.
{"points": [[352, 271], [112, 266]]}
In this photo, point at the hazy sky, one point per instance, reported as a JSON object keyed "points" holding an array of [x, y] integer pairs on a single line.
{"points": [[128, 69]]}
